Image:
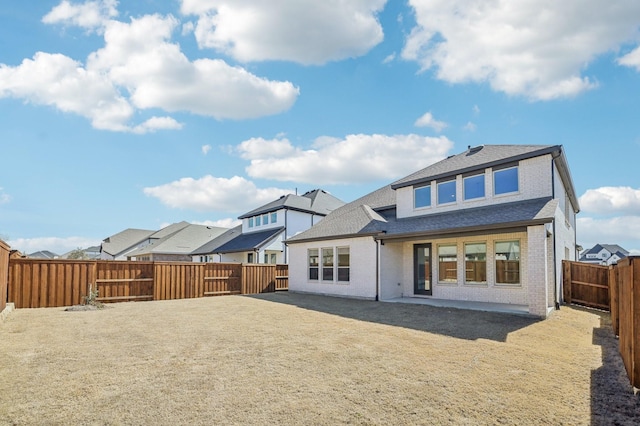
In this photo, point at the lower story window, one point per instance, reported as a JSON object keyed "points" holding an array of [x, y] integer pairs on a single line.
{"points": [[448, 263], [475, 260], [327, 264], [249, 257], [508, 262], [312, 254], [343, 263]]}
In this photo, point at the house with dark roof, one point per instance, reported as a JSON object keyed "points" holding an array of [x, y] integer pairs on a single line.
{"points": [[603, 254], [491, 224], [264, 229]]}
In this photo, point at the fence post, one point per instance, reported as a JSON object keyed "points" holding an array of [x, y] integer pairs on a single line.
{"points": [[566, 281], [613, 299], [243, 279]]}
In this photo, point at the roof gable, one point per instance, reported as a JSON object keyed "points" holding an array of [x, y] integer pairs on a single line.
{"points": [[314, 202], [124, 240]]}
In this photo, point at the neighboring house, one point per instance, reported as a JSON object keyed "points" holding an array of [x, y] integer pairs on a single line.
{"points": [[43, 254], [90, 253], [491, 224], [177, 246], [604, 254], [264, 229], [118, 246]]}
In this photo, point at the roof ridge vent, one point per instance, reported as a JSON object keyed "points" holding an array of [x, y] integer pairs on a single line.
{"points": [[473, 150]]}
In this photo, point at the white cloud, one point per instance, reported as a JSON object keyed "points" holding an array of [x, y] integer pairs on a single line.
{"points": [[529, 48], [210, 193], [389, 58], [356, 158], [427, 120], [221, 223], [4, 197], [621, 230], [476, 109], [611, 200], [57, 245], [205, 149], [303, 31], [631, 59], [470, 127], [137, 69], [89, 15]]}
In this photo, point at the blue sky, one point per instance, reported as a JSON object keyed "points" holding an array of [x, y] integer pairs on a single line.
{"points": [[137, 114]]}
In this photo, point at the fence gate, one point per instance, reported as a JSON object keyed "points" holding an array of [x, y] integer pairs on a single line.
{"points": [[585, 284]]}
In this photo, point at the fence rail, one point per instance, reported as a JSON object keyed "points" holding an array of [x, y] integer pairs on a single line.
{"points": [[35, 283]]}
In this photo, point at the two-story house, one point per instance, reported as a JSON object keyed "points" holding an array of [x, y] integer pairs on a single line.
{"points": [[491, 224], [264, 229], [604, 254]]}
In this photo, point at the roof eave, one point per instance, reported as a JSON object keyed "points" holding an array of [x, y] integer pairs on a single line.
{"points": [[334, 237]]}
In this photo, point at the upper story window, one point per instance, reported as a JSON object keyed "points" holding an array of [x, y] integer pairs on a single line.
{"points": [[447, 192], [274, 217], [505, 180], [250, 222], [422, 197], [258, 220], [474, 187], [265, 219]]}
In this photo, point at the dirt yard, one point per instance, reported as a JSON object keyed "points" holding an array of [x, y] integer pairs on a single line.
{"points": [[299, 359]]}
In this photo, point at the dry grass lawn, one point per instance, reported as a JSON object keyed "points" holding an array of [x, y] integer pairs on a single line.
{"points": [[301, 359]]}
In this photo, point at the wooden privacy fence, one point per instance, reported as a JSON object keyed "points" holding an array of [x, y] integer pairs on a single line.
{"points": [[4, 273], [585, 284], [625, 314], [35, 283]]}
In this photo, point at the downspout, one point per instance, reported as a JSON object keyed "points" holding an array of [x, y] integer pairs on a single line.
{"points": [[556, 298], [377, 268], [286, 235]]}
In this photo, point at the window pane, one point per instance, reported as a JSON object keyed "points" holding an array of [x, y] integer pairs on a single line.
{"points": [[313, 264], [474, 187], [265, 219], [447, 192], [508, 262], [274, 217], [257, 220], [506, 180], [343, 274], [422, 196], [250, 222], [447, 263], [343, 263], [327, 264], [475, 256]]}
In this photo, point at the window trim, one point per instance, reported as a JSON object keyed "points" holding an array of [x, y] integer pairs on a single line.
{"points": [[440, 280], [415, 189], [348, 267], [495, 263], [317, 264], [476, 283], [498, 171], [455, 192], [464, 187]]}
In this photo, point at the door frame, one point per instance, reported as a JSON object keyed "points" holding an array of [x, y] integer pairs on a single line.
{"points": [[422, 292]]}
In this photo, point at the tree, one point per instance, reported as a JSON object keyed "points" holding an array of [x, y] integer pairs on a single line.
{"points": [[78, 254]]}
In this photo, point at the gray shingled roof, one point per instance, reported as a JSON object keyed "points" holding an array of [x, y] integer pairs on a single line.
{"points": [[475, 158], [362, 220], [213, 245], [316, 201], [250, 241], [184, 241], [121, 241]]}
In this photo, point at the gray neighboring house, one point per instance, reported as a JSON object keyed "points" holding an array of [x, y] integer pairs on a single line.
{"points": [[43, 254], [604, 254], [90, 253], [118, 246], [491, 224], [264, 229], [177, 246]]}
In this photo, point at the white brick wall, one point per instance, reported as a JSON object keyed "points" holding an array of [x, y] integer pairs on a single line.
{"points": [[362, 283]]}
